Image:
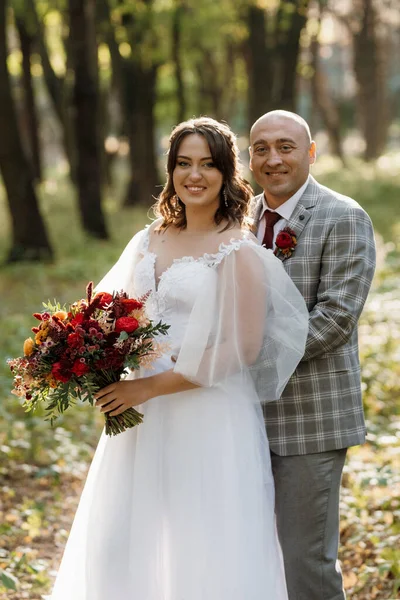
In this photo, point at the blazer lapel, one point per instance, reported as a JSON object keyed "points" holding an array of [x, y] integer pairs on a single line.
{"points": [[303, 211], [301, 214]]}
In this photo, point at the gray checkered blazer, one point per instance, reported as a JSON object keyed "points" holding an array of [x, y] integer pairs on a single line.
{"points": [[332, 266]]}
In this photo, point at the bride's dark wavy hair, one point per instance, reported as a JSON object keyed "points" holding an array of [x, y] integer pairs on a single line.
{"points": [[225, 155]]}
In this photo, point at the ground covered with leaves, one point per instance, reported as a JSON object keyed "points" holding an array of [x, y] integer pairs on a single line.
{"points": [[42, 470]]}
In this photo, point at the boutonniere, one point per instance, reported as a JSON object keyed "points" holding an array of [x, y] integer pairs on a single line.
{"points": [[285, 243]]}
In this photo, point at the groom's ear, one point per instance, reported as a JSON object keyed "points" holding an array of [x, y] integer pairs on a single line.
{"points": [[312, 153]]}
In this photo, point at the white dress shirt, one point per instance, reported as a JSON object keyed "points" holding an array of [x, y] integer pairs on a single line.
{"points": [[285, 210]]}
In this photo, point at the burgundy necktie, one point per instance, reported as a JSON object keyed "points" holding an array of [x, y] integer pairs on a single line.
{"points": [[270, 219]]}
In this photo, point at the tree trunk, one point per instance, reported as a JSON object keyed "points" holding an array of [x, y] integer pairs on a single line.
{"points": [[324, 104], [58, 91], [370, 72], [30, 114], [272, 57], [229, 82], [176, 57], [292, 17], [259, 65], [136, 77], [209, 92], [141, 84], [116, 118], [30, 241], [86, 103]]}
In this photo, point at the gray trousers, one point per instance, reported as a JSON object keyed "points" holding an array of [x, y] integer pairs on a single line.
{"points": [[307, 510]]}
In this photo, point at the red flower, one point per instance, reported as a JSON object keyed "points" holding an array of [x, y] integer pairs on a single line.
{"points": [[60, 372], [130, 304], [78, 319], [112, 359], [284, 240], [79, 368], [74, 340], [127, 324], [105, 299]]}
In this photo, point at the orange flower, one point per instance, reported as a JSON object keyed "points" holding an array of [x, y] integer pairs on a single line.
{"points": [[29, 345], [61, 314], [43, 332], [52, 382]]}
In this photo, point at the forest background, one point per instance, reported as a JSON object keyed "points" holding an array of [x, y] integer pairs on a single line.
{"points": [[89, 92]]}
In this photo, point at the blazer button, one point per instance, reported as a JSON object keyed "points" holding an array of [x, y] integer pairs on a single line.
{"points": [[301, 217]]}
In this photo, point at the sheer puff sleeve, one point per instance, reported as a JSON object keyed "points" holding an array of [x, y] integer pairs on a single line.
{"points": [[248, 321], [120, 276]]}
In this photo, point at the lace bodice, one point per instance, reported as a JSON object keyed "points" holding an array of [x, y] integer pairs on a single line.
{"points": [[173, 298]]}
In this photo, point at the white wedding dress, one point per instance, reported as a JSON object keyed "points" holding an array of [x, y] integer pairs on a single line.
{"points": [[180, 507]]}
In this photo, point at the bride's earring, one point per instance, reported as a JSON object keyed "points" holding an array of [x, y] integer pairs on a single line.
{"points": [[225, 194]]}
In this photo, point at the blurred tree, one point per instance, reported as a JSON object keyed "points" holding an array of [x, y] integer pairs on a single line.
{"points": [[212, 66], [140, 67], [83, 52], [114, 92], [29, 236], [178, 13], [30, 111], [131, 35], [363, 19], [57, 85], [290, 21], [370, 68], [321, 97], [259, 56], [272, 52]]}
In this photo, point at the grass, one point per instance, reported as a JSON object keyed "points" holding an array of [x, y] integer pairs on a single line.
{"points": [[43, 469]]}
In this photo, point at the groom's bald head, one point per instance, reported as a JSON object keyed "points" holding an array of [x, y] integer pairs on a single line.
{"points": [[276, 115]]}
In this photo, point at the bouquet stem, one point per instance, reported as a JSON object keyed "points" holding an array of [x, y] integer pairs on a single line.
{"points": [[119, 423]]}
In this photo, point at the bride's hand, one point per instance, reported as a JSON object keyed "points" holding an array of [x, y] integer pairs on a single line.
{"points": [[117, 397]]}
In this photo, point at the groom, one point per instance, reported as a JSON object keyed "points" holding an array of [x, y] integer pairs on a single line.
{"points": [[326, 243]]}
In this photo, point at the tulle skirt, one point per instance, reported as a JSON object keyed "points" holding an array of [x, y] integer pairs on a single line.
{"points": [[180, 507]]}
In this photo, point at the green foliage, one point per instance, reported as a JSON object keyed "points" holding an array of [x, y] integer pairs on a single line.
{"points": [[8, 580]]}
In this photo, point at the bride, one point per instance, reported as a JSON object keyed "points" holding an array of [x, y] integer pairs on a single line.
{"points": [[181, 507]]}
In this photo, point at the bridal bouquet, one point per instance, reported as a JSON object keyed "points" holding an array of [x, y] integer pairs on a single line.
{"points": [[77, 351]]}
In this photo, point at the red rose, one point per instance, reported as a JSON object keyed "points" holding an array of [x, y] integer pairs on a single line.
{"points": [[79, 368], [127, 324], [60, 372], [131, 304], [74, 340], [284, 240], [105, 299]]}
